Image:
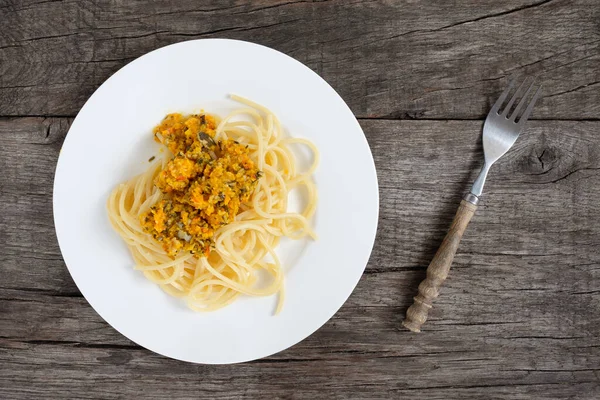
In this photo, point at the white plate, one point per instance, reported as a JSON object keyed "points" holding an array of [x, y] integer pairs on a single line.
{"points": [[110, 141]]}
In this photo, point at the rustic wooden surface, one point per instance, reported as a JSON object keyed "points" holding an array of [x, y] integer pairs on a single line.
{"points": [[519, 316]]}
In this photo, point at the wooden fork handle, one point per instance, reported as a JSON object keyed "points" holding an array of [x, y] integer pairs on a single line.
{"points": [[438, 269]]}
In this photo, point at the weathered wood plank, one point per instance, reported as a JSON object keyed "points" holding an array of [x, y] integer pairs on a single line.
{"points": [[358, 354], [423, 169], [30, 252], [88, 372], [518, 318], [355, 328], [418, 59]]}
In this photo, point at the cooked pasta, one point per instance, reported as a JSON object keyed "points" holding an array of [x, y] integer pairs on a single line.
{"points": [[207, 215]]}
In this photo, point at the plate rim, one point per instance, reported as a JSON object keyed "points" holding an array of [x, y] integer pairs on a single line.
{"points": [[372, 168]]}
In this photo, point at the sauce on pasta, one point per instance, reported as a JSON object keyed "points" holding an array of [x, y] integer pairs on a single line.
{"points": [[205, 218], [204, 184]]}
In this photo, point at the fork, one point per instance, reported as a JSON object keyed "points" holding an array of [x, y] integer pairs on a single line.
{"points": [[500, 131]]}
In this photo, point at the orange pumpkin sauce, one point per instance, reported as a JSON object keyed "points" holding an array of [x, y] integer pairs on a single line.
{"points": [[204, 184]]}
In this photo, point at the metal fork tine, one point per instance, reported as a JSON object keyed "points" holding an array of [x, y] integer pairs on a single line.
{"points": [[513, 99], [502, 97], [529, 108], [521, 103]]}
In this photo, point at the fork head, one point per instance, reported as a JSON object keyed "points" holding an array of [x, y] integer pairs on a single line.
{"points": [[502, 128]]}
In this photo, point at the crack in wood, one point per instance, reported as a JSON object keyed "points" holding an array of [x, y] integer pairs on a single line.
{"points": [[33, 4], [484, 17], [234, 29], [511, 384], [554, 56], [254, 10], [155, 33], [26, 40], [70, 343], [44, 292], [392, 270], [571, 173], [573, 90]]}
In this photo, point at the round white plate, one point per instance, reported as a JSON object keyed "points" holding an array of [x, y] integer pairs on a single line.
{"points": [[111, 141]]}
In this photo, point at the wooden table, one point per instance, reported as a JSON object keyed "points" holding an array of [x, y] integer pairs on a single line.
{"points": [[519, 317]]}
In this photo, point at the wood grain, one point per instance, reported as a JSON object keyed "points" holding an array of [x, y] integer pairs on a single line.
{"points": [[519, 318], [520, 313], [388, 59]]}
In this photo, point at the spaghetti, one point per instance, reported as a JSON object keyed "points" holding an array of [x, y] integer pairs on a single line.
{"points": [[239, 248]]}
